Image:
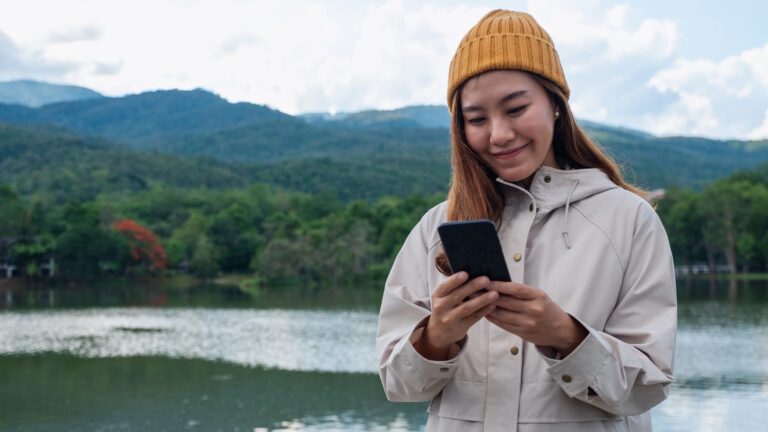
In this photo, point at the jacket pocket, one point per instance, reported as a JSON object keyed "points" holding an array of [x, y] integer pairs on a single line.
{"points": [[545, 402], [461, 400]]}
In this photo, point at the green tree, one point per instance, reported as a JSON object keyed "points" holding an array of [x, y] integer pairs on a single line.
{"points": [[183, 240], [11, 212], [205, 259], [81, 244], [682, 213], [731, 208]]}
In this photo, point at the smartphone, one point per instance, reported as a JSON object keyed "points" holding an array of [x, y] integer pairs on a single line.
{"points": [[473, 246]]}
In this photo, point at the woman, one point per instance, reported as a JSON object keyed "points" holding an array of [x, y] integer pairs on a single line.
{"points": [[583, 338]]}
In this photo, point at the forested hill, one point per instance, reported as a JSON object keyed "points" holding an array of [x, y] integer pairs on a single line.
{"points": [[57, 165], [145, 116], [363, 154], [35, 93]]}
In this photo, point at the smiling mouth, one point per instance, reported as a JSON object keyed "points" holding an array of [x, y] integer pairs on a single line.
{"points": [[511, 153]]}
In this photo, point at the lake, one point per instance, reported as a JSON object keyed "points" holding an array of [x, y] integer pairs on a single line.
{"points": [[211, 358]]}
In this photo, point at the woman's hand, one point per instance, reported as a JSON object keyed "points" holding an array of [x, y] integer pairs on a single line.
{"points": [[529, 313], [452, 316]]}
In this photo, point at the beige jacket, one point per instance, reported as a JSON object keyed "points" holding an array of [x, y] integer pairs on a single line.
{"points": [[597, 250]]}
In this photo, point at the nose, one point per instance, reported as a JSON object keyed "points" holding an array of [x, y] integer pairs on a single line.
{"points": [[502, 132]]}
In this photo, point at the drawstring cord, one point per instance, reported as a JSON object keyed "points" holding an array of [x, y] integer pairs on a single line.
{"points": [[567, 206]]}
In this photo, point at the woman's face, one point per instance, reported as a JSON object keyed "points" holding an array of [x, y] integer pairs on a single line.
{"points": [[508, 121]]}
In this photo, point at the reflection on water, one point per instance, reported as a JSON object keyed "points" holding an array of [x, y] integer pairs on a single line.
{"points": [[230, 362], [63, 393]]}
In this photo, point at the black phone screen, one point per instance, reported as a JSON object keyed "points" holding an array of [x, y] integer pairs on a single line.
{"points": [[473, 246]]}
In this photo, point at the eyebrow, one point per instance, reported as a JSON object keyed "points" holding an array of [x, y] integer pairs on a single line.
{"points": [[503, 100]]}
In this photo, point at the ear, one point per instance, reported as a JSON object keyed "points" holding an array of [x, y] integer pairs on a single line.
{"points": [[553, 103]]}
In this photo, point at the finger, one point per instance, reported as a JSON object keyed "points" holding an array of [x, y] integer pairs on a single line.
{"points": [[451, 283], [520, 291], [480, 313], [471, 307], [508, 317], [511, 303], [476, 285], [499, 323]]}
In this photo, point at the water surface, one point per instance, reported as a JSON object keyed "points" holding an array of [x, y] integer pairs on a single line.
{"points": [[149, 358]]}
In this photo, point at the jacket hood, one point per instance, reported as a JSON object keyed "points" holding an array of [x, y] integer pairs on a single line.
{"points": [[553, 188]]}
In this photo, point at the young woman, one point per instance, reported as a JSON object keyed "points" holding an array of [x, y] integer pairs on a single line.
{"points": [[583, 338]]}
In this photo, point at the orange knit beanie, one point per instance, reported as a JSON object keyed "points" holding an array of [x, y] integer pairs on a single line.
{"points": [[505, 39]]}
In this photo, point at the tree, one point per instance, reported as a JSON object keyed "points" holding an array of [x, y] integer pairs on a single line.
{"points": [[144, 245], [183, 239], [681, 212], [80, 243], [205, 259], [735, 213], [11, 212]]}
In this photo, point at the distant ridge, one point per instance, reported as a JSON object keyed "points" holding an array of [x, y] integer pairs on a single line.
{"points": [[416, 116], [145, 116], [358, 155], [35, 94]]}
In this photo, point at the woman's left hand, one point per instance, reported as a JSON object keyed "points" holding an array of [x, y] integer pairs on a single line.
{"points": [[529, 313]]}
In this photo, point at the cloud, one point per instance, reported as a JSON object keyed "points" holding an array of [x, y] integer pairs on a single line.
{"points": [[400, 56], [608, 53], [79, 34], [589, 32], [393, 55], [760, 132], [715, 98], [16, 63], [622, 63], [101, 68]]}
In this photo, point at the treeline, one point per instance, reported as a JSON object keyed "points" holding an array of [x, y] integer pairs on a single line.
{"points": [[308, 241], [727, 222], [284, 238]]}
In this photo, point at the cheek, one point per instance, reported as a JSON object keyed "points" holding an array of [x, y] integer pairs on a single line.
{"points": [[542, 130], [476, 139]]}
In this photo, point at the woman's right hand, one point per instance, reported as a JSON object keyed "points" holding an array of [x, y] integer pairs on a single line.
{"points": [[452, 316]]}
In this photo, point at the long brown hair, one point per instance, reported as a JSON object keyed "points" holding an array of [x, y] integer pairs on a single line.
{"points": [[474, 193]]}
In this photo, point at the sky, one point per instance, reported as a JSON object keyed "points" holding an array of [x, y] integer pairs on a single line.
{"points": [[679, 67]]}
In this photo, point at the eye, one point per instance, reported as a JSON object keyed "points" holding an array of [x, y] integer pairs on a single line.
{"points": [[517, 110], [475, 121]]}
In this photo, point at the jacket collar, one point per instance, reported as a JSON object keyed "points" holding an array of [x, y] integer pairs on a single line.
{"points": [[552, 188]]}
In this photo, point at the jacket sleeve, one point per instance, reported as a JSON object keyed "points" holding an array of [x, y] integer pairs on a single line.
{"points": [[405, 307], [626, 368]]}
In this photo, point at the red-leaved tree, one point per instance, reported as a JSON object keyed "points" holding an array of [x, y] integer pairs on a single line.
{"points": [[144, 245]]}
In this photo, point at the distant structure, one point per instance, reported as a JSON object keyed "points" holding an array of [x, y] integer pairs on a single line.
{"points": [[656, 194], [47, 267]]}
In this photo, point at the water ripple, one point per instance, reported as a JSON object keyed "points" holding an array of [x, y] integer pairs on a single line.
{"points": [[339, 341]]}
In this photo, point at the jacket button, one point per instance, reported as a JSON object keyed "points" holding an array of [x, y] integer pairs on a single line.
{"points": [[514, 350], [566, 378], [530, 207], [547, 179], [444, 369], [517, 257]]}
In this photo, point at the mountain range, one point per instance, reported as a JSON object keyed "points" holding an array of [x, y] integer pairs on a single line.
{"points": [[36, 94], [195, 138]]}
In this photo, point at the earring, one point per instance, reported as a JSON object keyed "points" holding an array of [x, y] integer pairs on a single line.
{"points": [[557, 114]]}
